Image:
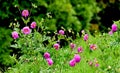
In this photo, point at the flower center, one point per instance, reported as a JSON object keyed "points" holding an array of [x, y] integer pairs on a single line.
{"points": [[25, 30]]}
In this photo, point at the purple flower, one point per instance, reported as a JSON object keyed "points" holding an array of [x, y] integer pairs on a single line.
{"points": [[72, 62], [25, 13], [96, 62], [93, 47], [56, 46], [15, 35], [96, 65], [80, 49], [86, 37], [110, 32], [26, 30], [33, 25], [46, 55], [50, 61], [114, 27], [61, 32], [72, 46], [77, 58]]}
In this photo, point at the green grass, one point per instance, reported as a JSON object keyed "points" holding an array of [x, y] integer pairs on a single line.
{"points": [[107, 54]]}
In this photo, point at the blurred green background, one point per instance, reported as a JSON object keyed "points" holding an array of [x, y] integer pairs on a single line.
{"points": [[75, 15]]}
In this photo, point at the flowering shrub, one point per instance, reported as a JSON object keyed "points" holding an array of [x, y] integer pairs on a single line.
{"points": [[81, 56]]}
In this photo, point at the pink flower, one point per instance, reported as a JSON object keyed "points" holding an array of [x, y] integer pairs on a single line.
{"points": [[25, 13], [61, 32], [96, 62], [114, 27], [33, 25], [86, 37], [15, 35], [77, 58], [72, 62], [90, 63], [80, 49], [93, 47], [46, 55], [26, 30], [50, 61], [72, 46], [110, 32], [96, 65], [56, 46]]}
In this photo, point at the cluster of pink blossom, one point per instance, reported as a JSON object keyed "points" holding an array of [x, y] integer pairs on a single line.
{"points": [[76, 59], [48, 59], [25, 30], [57, 46], [79, 50], [92, 46], [95, 63]]}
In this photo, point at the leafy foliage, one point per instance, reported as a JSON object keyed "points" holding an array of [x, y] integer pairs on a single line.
{"points": [[5, 50], [75, 15]]}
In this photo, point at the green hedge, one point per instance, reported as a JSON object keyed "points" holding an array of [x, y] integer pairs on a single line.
{"points": [[5, 42], [69, 14]]}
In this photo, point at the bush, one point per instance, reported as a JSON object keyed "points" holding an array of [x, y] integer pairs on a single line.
{"points": [[75, 15], [5, 58]]}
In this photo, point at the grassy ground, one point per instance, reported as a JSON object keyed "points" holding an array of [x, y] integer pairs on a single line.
{"points": [[106, 55]]}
